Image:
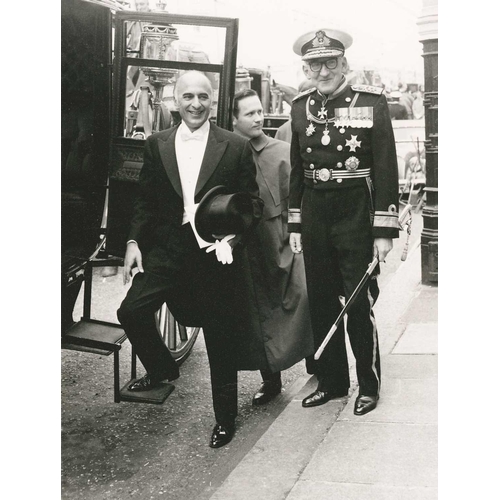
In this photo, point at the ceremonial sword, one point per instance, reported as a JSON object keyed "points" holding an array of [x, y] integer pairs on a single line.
{"points": [[373, 264]]}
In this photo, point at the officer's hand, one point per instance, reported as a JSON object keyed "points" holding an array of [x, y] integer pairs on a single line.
{"points": [[381, 247], [296, 242], [133, 257]]}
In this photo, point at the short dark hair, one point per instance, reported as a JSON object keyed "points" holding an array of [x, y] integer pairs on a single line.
{"points": [[242, 94]]}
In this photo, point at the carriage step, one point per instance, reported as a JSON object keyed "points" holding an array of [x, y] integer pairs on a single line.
{"points": [[94, 336], [158, 395]]}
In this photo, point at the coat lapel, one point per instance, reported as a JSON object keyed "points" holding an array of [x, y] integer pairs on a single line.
{"points": [[166, 147], [213, 154], [268, 171]]}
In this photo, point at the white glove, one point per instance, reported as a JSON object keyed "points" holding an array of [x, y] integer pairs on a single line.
{"points": [[223, 250]]}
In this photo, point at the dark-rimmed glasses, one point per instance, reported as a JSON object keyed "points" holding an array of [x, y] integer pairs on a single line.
{"points": [[330, 64]]}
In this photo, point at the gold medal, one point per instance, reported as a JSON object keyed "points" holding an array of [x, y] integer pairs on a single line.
{"points": [[325, 140]]}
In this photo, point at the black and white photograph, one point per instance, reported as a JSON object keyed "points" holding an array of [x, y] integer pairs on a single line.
{"points": [[249, 250], [244, 258]]}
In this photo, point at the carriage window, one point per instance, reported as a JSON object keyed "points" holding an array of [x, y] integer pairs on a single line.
{"points": [[149, 100], [164, 41]]}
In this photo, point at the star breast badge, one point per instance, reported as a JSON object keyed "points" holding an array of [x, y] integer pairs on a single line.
{"points": [[310, 130], [353, 143], [351, 164]]}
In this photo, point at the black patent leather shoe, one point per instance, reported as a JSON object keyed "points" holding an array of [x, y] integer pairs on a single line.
{"points": [[145, 383], [221, 435], [266, 393], [318, 398], [148, 383], [365, 404]]}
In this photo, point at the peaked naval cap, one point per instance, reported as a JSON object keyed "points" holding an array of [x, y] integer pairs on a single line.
{"points": [[322, 43]]}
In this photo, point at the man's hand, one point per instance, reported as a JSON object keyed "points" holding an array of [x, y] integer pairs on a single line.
{"points": [[223, 249], [381, 247], [133, 258], [296, 242]]}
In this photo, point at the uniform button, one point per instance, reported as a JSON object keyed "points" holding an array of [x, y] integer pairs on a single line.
{"points": [[309, 150], [311, 165], [312, 102], [339, 180], [348, 99], [339, 148], [342, 130], [339, 164]]}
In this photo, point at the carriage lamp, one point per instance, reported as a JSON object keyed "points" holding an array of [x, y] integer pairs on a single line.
{"points": [[243, 79], [277, 101]]}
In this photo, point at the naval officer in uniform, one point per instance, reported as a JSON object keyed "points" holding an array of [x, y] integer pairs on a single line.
{"points": [[343, 209]]}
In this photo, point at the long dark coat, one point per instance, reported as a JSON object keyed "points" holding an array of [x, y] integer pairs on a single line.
{"points": [[280, 308]]}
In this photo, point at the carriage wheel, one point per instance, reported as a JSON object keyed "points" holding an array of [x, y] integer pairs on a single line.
{"points": [[178, 338]]}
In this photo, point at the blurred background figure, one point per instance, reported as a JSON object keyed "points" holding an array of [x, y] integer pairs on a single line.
{"points": [[418, 103], [396, 109], [134, 29], [406, 99], [284, 132]]}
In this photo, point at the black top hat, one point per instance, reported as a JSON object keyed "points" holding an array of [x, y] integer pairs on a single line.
{"points": [[220, 213]]}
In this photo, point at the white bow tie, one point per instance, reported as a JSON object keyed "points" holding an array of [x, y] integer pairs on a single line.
{"points": [[197, 135]]}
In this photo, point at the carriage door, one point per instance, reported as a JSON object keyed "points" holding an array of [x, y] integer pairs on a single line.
{"points": [[152, 49]]}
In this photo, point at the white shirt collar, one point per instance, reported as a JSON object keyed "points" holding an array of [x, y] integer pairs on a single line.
{"points": [[199, 134]]}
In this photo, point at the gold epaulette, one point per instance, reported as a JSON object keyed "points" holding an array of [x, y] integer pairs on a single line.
{"points": [[367, 88], [302, 94]]}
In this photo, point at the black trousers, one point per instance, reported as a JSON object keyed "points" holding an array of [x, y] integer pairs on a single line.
{"points": [[196, 275], [338, 247]]}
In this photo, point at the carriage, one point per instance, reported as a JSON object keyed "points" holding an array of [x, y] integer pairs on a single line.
{"points": [[114, 93]]}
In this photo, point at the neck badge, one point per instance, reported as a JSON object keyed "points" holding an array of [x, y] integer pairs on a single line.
{"points": [[322, 113]]}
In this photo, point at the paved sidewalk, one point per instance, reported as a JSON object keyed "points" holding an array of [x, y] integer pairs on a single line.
{"points": [[328, 453]]}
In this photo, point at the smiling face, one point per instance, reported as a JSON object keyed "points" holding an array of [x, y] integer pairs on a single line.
{"points": [[326, 80], [250, 117], [193, 95]]}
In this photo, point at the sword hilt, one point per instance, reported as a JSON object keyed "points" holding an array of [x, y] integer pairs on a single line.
{"points": [[405, 219]]}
